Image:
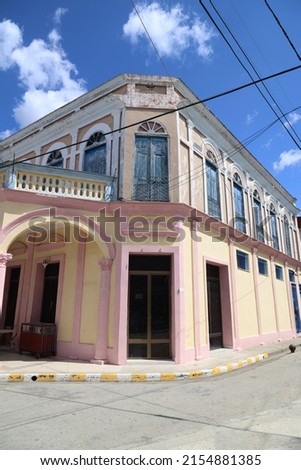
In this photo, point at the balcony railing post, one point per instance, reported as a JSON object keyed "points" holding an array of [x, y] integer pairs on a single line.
{"points": [[10, 178]]}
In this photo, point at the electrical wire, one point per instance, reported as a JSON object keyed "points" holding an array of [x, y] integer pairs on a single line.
{"points": [[165, 113], [283, 30], [245, 68], [258, 48], [264, 85], [150, 38], [200, 171]]}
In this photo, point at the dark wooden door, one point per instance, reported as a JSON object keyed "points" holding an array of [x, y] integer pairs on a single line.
{"points": [[50, 293], [13, 287], [214, 307]]}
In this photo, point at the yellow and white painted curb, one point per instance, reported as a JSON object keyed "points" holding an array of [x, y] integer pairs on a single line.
{"points": [[135, 377]]}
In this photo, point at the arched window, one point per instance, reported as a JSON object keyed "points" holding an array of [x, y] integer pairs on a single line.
{"points": [[257, 215], [95, 156], [55, 158], [151, 127], [273, 225], [288, 246], [239, 209], [212, 186], [150, 181]]}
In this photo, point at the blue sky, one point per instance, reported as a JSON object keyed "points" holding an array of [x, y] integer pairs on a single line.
{"points": [[52, 52]]}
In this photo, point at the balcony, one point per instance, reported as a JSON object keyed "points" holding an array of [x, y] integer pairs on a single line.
{"points": [[58, 182]]}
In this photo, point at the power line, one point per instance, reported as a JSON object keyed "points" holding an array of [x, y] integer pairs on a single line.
{"points": [[258, 47], [283, 30], [191, 176], [150, 38], [245, 68], [264, 85], [171, 111]]}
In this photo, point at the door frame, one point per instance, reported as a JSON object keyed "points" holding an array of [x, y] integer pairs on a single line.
{"points": [[14, 264], [117, 350], [211, 334], [149, 341], [46, 288], [226, 310], [36, 288]]}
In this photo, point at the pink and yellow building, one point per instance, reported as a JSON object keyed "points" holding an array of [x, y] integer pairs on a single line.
{"points": [[143, 228]]}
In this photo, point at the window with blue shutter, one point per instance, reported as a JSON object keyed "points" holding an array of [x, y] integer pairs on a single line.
{"points": [[242, 260], [95, 156], [258, 226], [55, 158], [274, 231], [151, 169], [240, 221], [213, 196], [287, 237]]}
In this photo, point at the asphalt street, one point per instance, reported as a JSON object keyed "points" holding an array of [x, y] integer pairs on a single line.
{"points": [[256, 407]]}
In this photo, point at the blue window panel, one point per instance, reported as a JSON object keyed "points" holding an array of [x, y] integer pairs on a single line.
{"points": [[242, 260], [95, 159], [274, 232], [151, 169], [262, 267], [240, 221], [279, 273], [213, 195], [258, 227], [287, 239]]}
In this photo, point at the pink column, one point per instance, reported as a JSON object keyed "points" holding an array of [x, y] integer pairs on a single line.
{"points": [[276, 309], [100, 354], [4, 258], [236, 339], [256, 282], [196, 298], [290, 299]]}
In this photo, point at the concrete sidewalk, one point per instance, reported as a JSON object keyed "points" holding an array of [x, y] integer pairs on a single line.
{"points": [[16, 368]]}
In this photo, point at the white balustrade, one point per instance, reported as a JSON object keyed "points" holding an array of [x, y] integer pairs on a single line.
{"points": [[57, 184]]}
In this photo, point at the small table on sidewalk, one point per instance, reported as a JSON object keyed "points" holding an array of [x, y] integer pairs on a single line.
{"points": [[6, 337]]}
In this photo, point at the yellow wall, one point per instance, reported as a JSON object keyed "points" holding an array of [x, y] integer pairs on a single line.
{"points": [[266, 301], [284, 314], [246, 300], [91, 293], [69, 290], [213, 246]]}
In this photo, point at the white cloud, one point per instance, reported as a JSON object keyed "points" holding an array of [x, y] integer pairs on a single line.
{"points": [[48, 77], [293, 118], [6, 133], [59, 12], [172, 31], [10, 39], [268, 144], [288, 158], [251, 117]]}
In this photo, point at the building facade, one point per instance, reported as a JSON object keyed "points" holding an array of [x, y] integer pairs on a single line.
{"points": [[139, 225]]}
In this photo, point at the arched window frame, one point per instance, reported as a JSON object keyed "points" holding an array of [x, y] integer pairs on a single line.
{"points": [[273, 226], [287, 238], [151, 127], [238, 203], [95, 155], [103, 129], [257, 216], [212, 185], [151, 168], [54, 149], [55, 159]]}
